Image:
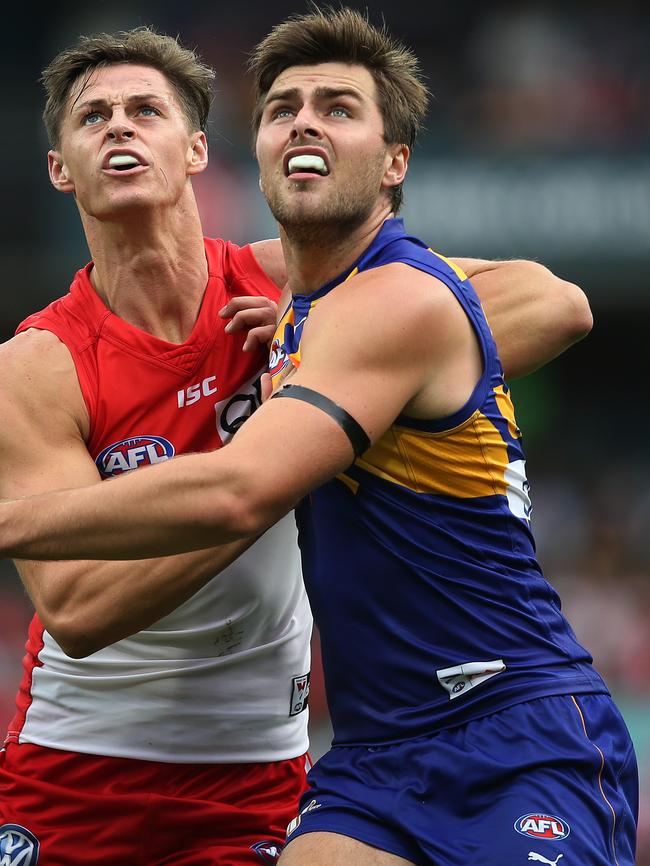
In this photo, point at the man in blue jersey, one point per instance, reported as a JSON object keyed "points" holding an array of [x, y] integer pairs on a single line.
{"points": [[469, 724]]}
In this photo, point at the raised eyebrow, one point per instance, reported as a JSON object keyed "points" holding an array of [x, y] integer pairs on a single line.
{"points": [[282, 95], [146, 97], [320, 93], [337, 93], [90, 105]]}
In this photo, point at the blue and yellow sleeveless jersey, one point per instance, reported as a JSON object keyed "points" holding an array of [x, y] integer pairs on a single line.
{"points": [[418, 559]]}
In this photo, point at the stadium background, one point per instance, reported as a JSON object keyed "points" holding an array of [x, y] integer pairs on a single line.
{"points": [[536, 146]]}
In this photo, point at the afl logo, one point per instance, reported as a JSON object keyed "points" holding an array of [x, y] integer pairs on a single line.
{"points": [[18, 847], [540, 826], [278, 357], [130, 453]]}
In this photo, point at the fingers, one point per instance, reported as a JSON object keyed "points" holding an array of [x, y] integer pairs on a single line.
{"points": [[246, 312], [259, 337], [246, 319], [256, 315], [267, 386]]}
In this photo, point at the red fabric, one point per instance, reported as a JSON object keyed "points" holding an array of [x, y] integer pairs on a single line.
{"points": [[93, 811], [130, 381], [31, 660], [121, 367]]}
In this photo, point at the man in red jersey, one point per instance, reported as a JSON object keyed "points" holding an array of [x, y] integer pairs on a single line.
{"points": [[161, 716]]}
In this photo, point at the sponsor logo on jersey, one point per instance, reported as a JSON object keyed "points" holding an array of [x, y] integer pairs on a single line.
{"points": [[537, 825], [128, 454], [193, 393], [231, 413], [461, 678], [299, 694], [268, 851], [533, 855], [295, 823], [18, 847]]}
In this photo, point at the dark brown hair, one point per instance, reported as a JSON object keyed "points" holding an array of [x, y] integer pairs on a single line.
{"points": [[191, 78], [346, 36]]}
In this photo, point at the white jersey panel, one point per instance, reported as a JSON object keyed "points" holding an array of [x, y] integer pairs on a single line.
{"points": [[213, 682]]}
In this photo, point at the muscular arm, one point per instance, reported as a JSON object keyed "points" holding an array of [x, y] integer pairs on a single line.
{"points": [[270, 258], [534, 315], [288, 447], [84, 605]]}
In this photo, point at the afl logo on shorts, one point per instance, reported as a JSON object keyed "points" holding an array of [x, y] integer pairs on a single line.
{"points": [[539, 826], [18, 847], [130, 453]]}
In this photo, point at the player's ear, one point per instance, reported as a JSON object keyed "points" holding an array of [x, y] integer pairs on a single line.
{"points": [[397, 160], [197, 153], [58, 172]]}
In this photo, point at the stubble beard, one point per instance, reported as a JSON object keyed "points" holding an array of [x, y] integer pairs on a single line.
{"points": [[328, 221]]}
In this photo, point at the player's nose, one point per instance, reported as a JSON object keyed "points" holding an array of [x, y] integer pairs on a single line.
{"points": [[306, 123], [120, 129]]}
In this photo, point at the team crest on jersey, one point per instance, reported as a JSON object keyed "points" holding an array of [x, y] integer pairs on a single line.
{"points": [[299, 694], [538, 825], [128, 454], [18, 846], [268, 851], [278, 358]]}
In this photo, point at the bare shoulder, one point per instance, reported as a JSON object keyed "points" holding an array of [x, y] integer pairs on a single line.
{"points": [[38, 381], [396, 302], [271, 259], [401, 286]]}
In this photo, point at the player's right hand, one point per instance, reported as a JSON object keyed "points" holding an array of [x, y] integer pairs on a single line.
{"points": [[257, 315]]}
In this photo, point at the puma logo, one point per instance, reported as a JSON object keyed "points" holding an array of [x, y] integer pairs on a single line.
{"points": [[532, 855]]}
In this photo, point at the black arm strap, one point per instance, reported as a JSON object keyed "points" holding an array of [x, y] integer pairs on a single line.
{"points": [[352, 429]]}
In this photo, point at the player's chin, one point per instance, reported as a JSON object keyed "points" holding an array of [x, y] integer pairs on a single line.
{"points": [[119, 204]]}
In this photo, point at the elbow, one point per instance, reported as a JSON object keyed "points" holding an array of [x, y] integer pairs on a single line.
{"points": [[250, 510], [578, 316], [78, 645], [251, 514], [74, 635], [76, 649]]}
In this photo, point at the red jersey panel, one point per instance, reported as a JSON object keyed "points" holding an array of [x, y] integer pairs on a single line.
{"points": [[136, 385], [225, 676]]}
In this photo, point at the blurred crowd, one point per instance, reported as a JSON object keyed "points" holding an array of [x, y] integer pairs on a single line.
{"points": [[506, 77]]}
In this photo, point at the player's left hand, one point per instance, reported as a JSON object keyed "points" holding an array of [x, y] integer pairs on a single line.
{"points": [[257, 315]]}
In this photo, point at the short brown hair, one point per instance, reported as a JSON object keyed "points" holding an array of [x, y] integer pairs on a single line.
{"points": [[346, 36], [191, 78]]}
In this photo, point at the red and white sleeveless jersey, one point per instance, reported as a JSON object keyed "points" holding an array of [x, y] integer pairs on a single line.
{"points": [[225, 677]]}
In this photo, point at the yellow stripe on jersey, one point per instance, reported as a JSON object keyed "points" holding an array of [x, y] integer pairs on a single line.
{"points": [[349, 482], [507, 410], [465, 463], [460, 273]]}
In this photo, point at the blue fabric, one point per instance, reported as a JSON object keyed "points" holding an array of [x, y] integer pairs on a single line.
{"points": [[552, 780], [420, 558]]}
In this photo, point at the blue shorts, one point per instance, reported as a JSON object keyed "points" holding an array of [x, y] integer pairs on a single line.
{"points": [[539, 781]]}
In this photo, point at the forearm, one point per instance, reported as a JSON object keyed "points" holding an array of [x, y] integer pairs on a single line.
{"points": [[180, 506], [89, 605], [189, 503], [534, 315]]}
